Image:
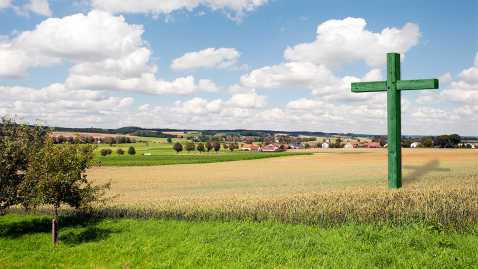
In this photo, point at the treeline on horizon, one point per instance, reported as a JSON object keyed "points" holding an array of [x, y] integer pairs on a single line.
{"points": [[158, 132]]}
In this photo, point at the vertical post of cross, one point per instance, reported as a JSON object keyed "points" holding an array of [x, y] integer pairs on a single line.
{"points": [[394, 122]]}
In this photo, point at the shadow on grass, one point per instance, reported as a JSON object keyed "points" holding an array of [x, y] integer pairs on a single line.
{"points": [[86, 229], [420, 171]]}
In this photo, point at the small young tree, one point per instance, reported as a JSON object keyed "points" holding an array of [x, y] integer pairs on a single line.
{"points": [[109, 151], [120, 152], [104, 152], [216, 145], [190, 146], [131, 151], [231, 147], [200, 148], [178, 147], [169, 140], [208, 146], [225, 146]]}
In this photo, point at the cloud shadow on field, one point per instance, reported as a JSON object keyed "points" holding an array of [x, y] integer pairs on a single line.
{"points": [[420, 171]]}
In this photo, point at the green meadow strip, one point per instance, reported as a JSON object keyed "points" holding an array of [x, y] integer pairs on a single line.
{"points": [[152, 160]]}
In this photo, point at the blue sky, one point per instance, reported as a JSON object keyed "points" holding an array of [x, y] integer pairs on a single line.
{"points": [[237, 64]]}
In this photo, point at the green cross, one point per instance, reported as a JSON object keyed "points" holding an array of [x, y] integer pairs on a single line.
{"points": [[393, 86]]}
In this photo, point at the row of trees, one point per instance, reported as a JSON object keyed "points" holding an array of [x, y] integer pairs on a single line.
{"points": [[92, 140], [34, 171], [131, 151], [190, 146]]}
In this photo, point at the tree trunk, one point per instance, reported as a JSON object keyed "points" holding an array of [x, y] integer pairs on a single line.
{"points": [[54, 233]]}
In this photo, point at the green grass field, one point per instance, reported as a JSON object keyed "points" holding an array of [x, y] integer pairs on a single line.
{"points": [[162, 159], [25, 242]]}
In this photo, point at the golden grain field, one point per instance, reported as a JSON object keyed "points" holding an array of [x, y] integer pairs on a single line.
{"points": [[331, 187]]}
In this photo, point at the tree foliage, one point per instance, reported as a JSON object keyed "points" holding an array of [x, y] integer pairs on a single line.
{"points": [[17, 142], [216, 145], [104, 152], [178, 147], [208, 146], [200, 148], [190, 146], [120, 152], [131, 151]]}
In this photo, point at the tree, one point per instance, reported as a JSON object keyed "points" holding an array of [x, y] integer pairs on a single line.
{"points": [[225, 146], [454, 139], [131, 151], [109, 151], [120, 152], [428, 143], [200, 148], [57, 174], [281, 147], [231, 147], [375, 140], [383, 141], [103, 152], [216, 145], [17, 142], [190, 146], [208, 146], [169, 140], [337, 142], [178, 147]]}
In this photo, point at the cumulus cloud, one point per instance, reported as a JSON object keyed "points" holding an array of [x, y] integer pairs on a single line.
{"points": [[59, 105], [207, 85], [444, 79], [210, 57], [4, 3], [229, 7], [96, 41], [146, 84], [39, 7], [340, 41], [465, 91], [305, 75]]}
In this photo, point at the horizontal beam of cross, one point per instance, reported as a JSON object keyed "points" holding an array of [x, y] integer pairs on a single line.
{"points": [[402, 85]]}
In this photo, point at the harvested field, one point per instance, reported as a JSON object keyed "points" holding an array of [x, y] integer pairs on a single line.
{"points": [[332, 187]]}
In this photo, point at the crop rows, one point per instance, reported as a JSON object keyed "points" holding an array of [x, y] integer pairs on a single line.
{"points": [[326, 190]]}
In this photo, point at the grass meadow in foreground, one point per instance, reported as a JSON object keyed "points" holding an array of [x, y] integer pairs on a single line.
{"points": [[25, 242], [171, 159]]}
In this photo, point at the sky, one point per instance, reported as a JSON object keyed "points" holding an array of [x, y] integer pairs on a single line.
{"points": [[278, 65]]}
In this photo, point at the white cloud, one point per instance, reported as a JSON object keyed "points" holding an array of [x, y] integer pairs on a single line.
{"points": [[200, 13], [428, 97], [340, 41], [156, 7], [95, 41], [59, 105], [146, 84], [39, 7], [210, 57], [470, 76], [144, 107], [305, 75], [4, 3], [247, 100], [444, 79], [207, 85], [465, 91]]}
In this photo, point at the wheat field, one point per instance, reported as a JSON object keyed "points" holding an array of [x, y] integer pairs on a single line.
{"points": [[331, 187]]}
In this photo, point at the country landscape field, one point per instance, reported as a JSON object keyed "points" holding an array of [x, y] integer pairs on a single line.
{"points": [[291, 211]]}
